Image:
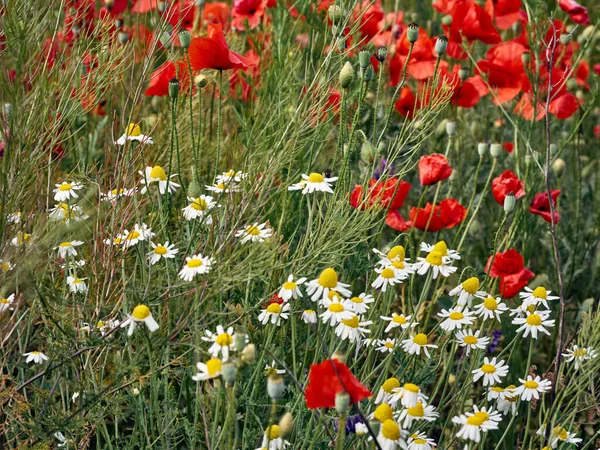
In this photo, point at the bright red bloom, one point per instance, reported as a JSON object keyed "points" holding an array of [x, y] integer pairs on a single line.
{"points": [[433, 168], [144, 6], [275, 298], [370, 16], [504, 12], [383, 194], [469, 20], [510, 267], [448, 214], [329, 378], [505, 71], [505, 184], [407, 103], [395, 220], [248, 10], [464, 93], [247, 79], [422, 59], [541, 206], [212, 52], [578, 13], [160, 78], [216, 12]]}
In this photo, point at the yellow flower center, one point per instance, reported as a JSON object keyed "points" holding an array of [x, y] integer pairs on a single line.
{"points": [[328, 278], [396, 252], [160, 250], [4, 300], [253, 230], [35, 352], [411, 387], [333, 296], [158, 172], [389, 344], [470, 340], [199, 204], [316, 178], [336, 308], [213, 366], [488, 368], [416, 411], [580, 352], [274, 308], [383, 412], [490, 303], [193, 263], [530, 384], [133, 235], [140, 312], [419, 441], [230, 173], [497, 389], [441, 247], [471, 285], [224, 339], [119, 191], [22, 237], [65, 244], [309, 311], [478, 418], [133, 130], [273, 432], [389, 384], [117, 240], [560, 432], [352, 323], [534, 320], [5, 267], [220, 186], [398, 264], [289, 285], [356, 300], [387, 273], [456, 315], [540, 292], [420, 339], [100, 324], [434, 258], [508, 398], [65, 187], [77, 281], [390, 430], [399, 319]]}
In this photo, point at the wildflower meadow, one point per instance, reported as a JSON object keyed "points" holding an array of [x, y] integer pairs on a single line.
{"points": [[300, 224]]}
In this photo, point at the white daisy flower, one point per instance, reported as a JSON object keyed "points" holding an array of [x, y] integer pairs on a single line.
{"points": [[474, 423], [67, 248], [141, 313], [492, 371], [315, 182], [20, 239], [390, 435], [416, 413], [336, 309], [456, 318], [273, 370], [208, 370], [409, 394], [254, 233], [222, 341], [35, 357], [386, 392], [274, 313], [61, 438], [66, 213], [360, 304], [223, 188], [156, 174], [532, 388], [352, 329], [139, 233], [559, 434], [416, 344], [466, 291], [66, 191], [114, 194], [6, 266], [506, 399], [231, 176], [309, 316], [105, 326], [440, 247], [439, 260], [537, 296], [534, 323], [272, 439], [77, 284], [6, 303], [398, 320], [134, 133], [388, 277], [360, 429], [328, 281], [395, 254], [490, 307], [199, 207], [195, 265], [579, 355], [386, 345], [14, 218], [420, 441], [291, 289], [469, 340], [160, 251]]}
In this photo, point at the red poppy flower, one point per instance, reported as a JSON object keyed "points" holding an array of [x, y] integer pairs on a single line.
{"points": [[505, 71], [504, 12], [448, 214], [395, 220], [541, 206], [212, 52], [469, 20], [407, 103], [160, 78], [506, 183], [422, 59], [433, 168], [578, 13], [510, 267], [508, 146], [370, 16], [247, 79], [383, 194], [251, 11], [329, 378], [144, 6], [216, 12], [464, 93], [275, 298]]}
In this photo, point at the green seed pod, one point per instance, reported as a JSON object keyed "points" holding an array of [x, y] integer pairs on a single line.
{"points": [[185, 38], [509, 203], [412, 32], [342, 403], [495, 150], [364, 59], [447, 20], [482, 149], [441, 44], [346, 75], [463, 73], [173, 88], [367, 74], [381, 53]]}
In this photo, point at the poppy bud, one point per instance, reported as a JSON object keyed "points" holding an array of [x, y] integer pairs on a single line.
{"points": [[334, 30], [340, 355], [447, 20], [564, 39], [248, 355], [558, 166], [341, 44], [201, 81], [509, 203], [194, 190], [450, 128], [199, 3], [229, 372], [165, 39], [412, 33], [463, 73], [367, 74], [342, 402], [586, 34], [375, 425], [441, 44], [346, 75], [364, 59], [286, 424], [173, 88], [122, 37], [482, 149], [367, 153], [161, 6], [528, 159], [275, 387], [185, 38], [495, 150], [335, 13], [239, 339], [381, 53], [525, 57]]}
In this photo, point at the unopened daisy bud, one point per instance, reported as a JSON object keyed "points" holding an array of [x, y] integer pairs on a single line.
{"points": [[165, 39], [275, 387], [375, 425], [495, 150], [201, 81], [412, 32], [558, 166], [286, 424], [122, 37], [239, 339], [340, 355], [335, 13], [229, 372], [174, 88], [248, 355], [447, 20], [525, 57], [342, 402], [185, 38], [463, 73], [381, 53], [509, 203], [364, 59], [161, 6], [368, 153], [346, 75], [441, 44], [450, 128], [565, 39]]}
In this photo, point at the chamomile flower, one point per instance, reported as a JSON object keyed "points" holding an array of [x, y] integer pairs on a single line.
{"points": [[395, 254], [66, 213], [352, 329], [534, 323], [537, 296], [76, 284], [274, 313], [506, 399], [398, 320], [138, 234], [409, 394], [223, 188], [438, 260], [440, 247], [416, 344], [360, 304], [387, 277], [66, 191], [492, 371], [336, 309], [309, 316], [156, 174], [386, 345], [386, 392], [382, 413], [532, 388], [6, 303], [291, 289], [208, 370], [14, 218], [272, 439], [490, 307], [470, 340], [420, 411], [222, 341], [466, 291], [199, 208], [195, 265], [161, 251], [559, 434], [141, 313], [61, 439], [114, 194], [134, 133], [272, 370], [315, 182], [35, 357], [456, 318], [420, 441], [474, 423], [6, 266], [231, 176], [67, 248], [20, 239], [390, 435], [328, 281], [579, 355], [254, 233]]}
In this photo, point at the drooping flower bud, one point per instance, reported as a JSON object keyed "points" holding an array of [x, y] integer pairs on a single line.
{"points": [[174, 88], [482, 149], [201, 81], [364, 59], [194, 190], [463, 73], [441, 44], [346, 75], [495, 150], [564, 39], [185, 38], [275, 387], [553, 149], [450, 128], [368, 153], [240, 340], [165, 39], [286, 424], [447, 20], [367, 74], [123, 37], [412, 32], [381, 53], [342, 402], [509, 203]]}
